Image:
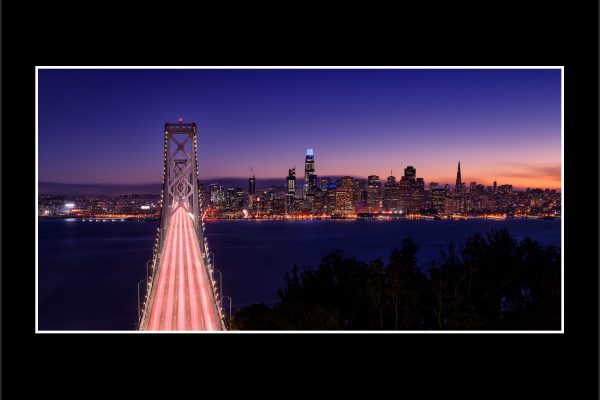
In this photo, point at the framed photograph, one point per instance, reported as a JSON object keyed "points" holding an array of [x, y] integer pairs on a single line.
{"points": [[265, 199]]}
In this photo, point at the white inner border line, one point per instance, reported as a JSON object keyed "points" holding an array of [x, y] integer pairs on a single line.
{"points": [[302, 67], [562, 222]]}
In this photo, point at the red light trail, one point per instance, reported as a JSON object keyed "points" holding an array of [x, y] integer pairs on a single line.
{"points": [[182, 300]]}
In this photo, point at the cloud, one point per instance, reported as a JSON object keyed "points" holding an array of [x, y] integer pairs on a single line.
{"points": [[526, 170]]}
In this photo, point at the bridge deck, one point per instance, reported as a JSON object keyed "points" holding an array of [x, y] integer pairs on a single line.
{"points": [[183, 297]]}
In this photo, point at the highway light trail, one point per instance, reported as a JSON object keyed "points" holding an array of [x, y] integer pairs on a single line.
{"points": [[183, 297], [208, 312]]}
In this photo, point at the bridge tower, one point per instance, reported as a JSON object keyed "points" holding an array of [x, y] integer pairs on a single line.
{"points": [[192, 305], [180, 174]]}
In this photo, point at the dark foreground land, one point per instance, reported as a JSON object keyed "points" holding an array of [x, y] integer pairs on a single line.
{"points": [[491, 282]]}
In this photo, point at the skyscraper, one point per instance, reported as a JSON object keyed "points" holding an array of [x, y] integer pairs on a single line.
{"points": [[373, 180], [373, 194], [269, 203], [217, 196], [343, 196], [438, 198], [309, 169], [252, 186], [307, 204], [359, 196], [313, 182], [279, 204], [449, 205], [251, 202], [405, 188], [230, 199], [319, 202], [459, 200], [291, 189], [412, 191], [238, 202], [251, 193], [331, 193], [418, 195], [458, 186], [391, 196]]}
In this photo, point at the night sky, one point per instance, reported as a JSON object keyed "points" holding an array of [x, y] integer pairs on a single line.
{"points": [[106, 126]]}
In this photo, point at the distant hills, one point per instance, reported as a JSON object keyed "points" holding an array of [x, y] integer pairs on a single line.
{"points": [[56, 188]]}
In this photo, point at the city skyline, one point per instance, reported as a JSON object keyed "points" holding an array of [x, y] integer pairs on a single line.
{"points": [[281, 181], [346, 197], [502, 125]]}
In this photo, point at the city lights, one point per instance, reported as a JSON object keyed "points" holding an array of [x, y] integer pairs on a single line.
{"points": [[355, 198]]}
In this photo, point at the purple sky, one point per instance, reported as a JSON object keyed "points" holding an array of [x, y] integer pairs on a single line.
{"points": [[106, 126]]}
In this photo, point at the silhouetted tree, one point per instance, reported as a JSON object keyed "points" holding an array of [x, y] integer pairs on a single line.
{"points": [[376, 289], [489, 282], [403, 277], [302, 316], [257, 317]]}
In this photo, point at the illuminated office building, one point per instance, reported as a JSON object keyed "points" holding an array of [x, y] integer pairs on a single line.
{"points": [[343, 196], [391, 195], [309, 169], [291, 190], [217, 196], [373, 194]]}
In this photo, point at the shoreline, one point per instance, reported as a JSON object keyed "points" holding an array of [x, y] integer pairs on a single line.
{"points": [[386, 219]]}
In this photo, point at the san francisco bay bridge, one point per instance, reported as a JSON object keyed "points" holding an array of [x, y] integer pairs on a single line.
{"points": [[181, 293]]}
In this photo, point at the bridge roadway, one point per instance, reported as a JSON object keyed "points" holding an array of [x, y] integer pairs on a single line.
{"points": [[183, 298]]}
